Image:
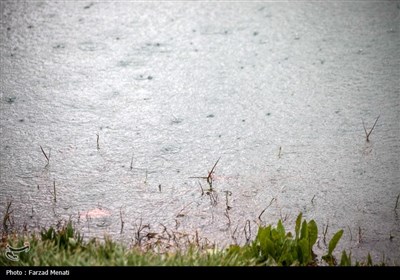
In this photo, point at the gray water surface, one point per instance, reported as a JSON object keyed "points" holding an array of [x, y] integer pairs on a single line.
{"points": [[278, 91]]}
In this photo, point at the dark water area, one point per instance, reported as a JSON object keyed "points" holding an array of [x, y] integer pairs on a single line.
{"points": [[130, 101]]}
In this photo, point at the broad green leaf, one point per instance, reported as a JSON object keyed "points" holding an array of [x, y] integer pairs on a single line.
{"points": [[263, 233], [72, 241], [234, 249], [259, 233], [280, 229], [334, 241], [298, 223], [305, 252], [304, 231], [263, 243], [286, 257], [275, 235], [269, 249], [312, 232]]}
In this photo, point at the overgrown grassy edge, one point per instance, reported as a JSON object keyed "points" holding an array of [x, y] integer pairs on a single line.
{"points": [[273, 246]]}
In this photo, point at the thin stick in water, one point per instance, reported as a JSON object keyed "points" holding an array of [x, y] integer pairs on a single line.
{"points": [[247, 231], [98, 139], [325, 232], [374, 125], [227, 193], [54, 189], [132, 162], [122, 221], [209, 177], [228, 217], [367, 134], [365, 130], [202, 191], [351, 235], [397, 201], [47, 158]]}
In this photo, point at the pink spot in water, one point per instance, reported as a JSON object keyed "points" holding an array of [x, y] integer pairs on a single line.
{"points": [[96, 213]]}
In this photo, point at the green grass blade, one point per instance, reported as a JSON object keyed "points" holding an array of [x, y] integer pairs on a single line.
{"points": [[298, 223], [345, 260], [334, 241], [312, 232]]}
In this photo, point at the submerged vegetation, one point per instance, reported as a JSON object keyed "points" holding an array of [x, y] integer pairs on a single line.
{"points": [[64, 246]]}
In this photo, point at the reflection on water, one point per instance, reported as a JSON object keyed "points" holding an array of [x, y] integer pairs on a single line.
{"points": [[132, 100]]}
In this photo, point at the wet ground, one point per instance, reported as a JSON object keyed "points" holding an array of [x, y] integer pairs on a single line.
{"points": [[129, 101]]}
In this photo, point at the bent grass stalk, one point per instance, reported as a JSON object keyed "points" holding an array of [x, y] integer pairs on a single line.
{"points": [[351, 235], [312, 200], [262, 212], [209, 178], [7, 216], [367, 134], [201, 187]]}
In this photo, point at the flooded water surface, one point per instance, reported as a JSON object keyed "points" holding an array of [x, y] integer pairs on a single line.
{"points": [[130, 102]]}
